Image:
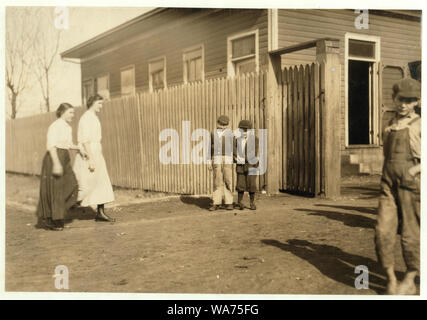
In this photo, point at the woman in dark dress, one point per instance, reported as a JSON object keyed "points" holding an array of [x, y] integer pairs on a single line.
{"points": [[58, 184]]}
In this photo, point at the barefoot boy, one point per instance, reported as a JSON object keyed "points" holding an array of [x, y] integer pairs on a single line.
{"points": [[400, 188]]}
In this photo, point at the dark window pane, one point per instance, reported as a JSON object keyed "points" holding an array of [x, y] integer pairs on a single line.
{"points": [[199, 70], [127, 82], [358, 102], [245, 66], [102, 87], [363, 49], [243, 46], [194, 69], [158, 80], [88, 90]]}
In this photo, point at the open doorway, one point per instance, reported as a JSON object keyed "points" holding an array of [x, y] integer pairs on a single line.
{"points": [[362, 60], [359, 104]]}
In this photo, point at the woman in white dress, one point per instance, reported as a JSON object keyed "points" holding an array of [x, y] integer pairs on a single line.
{"points": [[94, 183]]}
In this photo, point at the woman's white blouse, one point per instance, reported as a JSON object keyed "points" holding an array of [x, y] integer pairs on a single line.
{"points": [[60, 135], [89, 128]]}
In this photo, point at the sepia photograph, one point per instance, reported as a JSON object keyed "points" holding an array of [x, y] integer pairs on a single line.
{"points": [[211, 150]]}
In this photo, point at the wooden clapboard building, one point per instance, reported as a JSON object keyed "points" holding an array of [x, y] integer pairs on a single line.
{"points": [[172, 46]]}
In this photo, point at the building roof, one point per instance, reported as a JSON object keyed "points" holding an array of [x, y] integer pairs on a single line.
{"points": [[135, 26], [110, 37], [411, 15]]}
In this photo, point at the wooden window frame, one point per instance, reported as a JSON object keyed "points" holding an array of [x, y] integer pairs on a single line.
{"points": [[92, 80], [107, 74], [128, 67], [185, 58], [376, 87], [231, 72], [150, 71]]}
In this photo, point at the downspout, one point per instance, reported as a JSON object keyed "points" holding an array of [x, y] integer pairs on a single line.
{"points": [[272, 111]]}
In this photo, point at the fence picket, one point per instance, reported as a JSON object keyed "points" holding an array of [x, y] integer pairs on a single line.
{"points": [[284, 104], [316, 132], [312, 131], [180, 117], [306, 128], [289, 140]]}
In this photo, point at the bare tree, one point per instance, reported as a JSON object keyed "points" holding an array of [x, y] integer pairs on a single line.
{"points": [[46, 46], [19, 41]]}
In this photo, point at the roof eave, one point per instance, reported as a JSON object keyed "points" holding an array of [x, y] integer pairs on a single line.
{"points": [[73, 52]]}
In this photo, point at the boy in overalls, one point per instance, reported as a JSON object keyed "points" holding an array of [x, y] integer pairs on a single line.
{"points": [[245, 155], [222, 164], [400, 188]]}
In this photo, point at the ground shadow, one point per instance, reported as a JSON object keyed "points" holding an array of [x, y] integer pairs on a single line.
{"points": [[360, 192], [334, 263], [348, 219], [80, 213], [74, 213], [368, 210], [297, 193], [201, 202]]}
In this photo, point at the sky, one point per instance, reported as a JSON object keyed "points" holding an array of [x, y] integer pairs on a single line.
{"points": [[84, 23]]}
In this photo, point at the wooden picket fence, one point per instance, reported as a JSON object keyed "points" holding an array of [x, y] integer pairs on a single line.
{"points": [[26, 141], [302, 152], [131, 127]]}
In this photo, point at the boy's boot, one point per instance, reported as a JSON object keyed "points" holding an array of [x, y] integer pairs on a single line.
{"points": [[252, 198], [239, 200]]}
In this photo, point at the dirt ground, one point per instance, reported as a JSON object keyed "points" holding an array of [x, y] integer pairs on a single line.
{"points": [[290, 245]]}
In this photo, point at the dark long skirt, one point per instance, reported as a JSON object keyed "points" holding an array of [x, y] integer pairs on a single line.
{"points": [[57, 194]]}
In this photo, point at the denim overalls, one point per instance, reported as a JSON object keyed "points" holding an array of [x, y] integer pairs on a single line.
{"points": [[399, 199]]}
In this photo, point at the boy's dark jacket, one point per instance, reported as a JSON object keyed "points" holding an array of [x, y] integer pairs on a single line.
{"points": [[244, 168]]}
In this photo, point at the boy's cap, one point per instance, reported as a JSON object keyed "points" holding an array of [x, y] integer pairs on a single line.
{"points": [[223, 120], [407, 88], [245, 124]]}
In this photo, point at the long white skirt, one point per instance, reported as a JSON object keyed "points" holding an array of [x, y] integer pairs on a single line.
{"points": [[94, 187]]}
